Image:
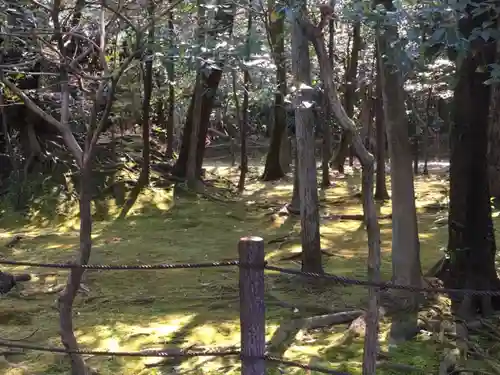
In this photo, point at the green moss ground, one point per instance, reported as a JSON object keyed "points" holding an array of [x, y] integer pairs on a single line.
{"points": [[134, 310]]}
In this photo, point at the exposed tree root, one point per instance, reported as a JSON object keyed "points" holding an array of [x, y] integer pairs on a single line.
{"points": [[357, 328], [289, 330], [359, 217]]}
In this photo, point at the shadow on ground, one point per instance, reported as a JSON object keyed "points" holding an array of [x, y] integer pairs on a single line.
{"points": [[136, 310]]}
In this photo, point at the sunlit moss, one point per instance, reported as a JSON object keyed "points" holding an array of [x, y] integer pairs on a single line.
{"points": [[137, 310]]}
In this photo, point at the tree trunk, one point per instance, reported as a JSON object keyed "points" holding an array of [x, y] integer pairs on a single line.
{"points": [[294, 206], [494, 136], [304, 128], [381, 193], [366, 159], [471, 241], [415, 140], [192, 174], [427, 125], [273, 169], [143, 179], [406, 269], [246, 88], [169, 153], [224, 24], [326, 149], [350, 94], [146, 106], [326, 146]]}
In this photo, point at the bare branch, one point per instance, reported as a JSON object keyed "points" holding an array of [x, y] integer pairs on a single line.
{"points": [[65, 132]]}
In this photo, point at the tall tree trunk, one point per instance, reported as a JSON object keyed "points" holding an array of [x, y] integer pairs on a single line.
{"points": [[143, 179], [224, 24], [326, 149], [381, 193], [471, 241], [326, 146], [169, 153], [427, 125], [350, 95], [146, 105], [274, 170], [246, 88], [406, 269], [304, 128], [494, 142], [191, 172], [494, 136]]}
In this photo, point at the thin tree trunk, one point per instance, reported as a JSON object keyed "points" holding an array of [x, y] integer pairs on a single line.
{"points": [[308, 191], [169, 153], [428, 123], [415, 144], [246, 88], [350, 94], [326, 149], [366, 160], [273, 169], [381, 193], [191, 172], [326, 144], [405, 243], [146, 104], [143, 180]]}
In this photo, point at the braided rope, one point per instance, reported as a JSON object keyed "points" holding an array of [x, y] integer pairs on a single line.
{"points": [[233, 263], [173, 353], [105, 353], [382, 285], [120, 267]]}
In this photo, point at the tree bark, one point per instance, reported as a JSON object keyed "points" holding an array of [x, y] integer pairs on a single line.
{"points": [[427, 125], [274, 170], [246, 88], [406, 268], [169, 153], [494, 136], [192, 174], [304, 128], [143, 179], [381, 193], [224, 24], [471, 241], [350, 94], [366, 159]]}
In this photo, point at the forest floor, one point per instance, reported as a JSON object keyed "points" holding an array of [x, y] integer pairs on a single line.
{"points": [[137, 310]]}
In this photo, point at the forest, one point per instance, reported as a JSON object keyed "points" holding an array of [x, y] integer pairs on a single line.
{"points": [[249, 187]]}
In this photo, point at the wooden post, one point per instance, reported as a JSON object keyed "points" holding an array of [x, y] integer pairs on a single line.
{"points": [[252, 308]]}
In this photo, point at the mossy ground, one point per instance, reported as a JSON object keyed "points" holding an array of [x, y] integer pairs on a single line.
{"points": [[135, 310]]}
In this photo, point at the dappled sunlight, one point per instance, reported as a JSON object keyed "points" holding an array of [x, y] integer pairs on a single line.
{"points": [[138, 310]]}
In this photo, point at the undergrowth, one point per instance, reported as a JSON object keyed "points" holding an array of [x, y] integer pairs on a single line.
{"points": [[136, 310]]}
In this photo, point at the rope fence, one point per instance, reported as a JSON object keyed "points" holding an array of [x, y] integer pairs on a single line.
{"points": [[253, 353], [341, 280]]}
